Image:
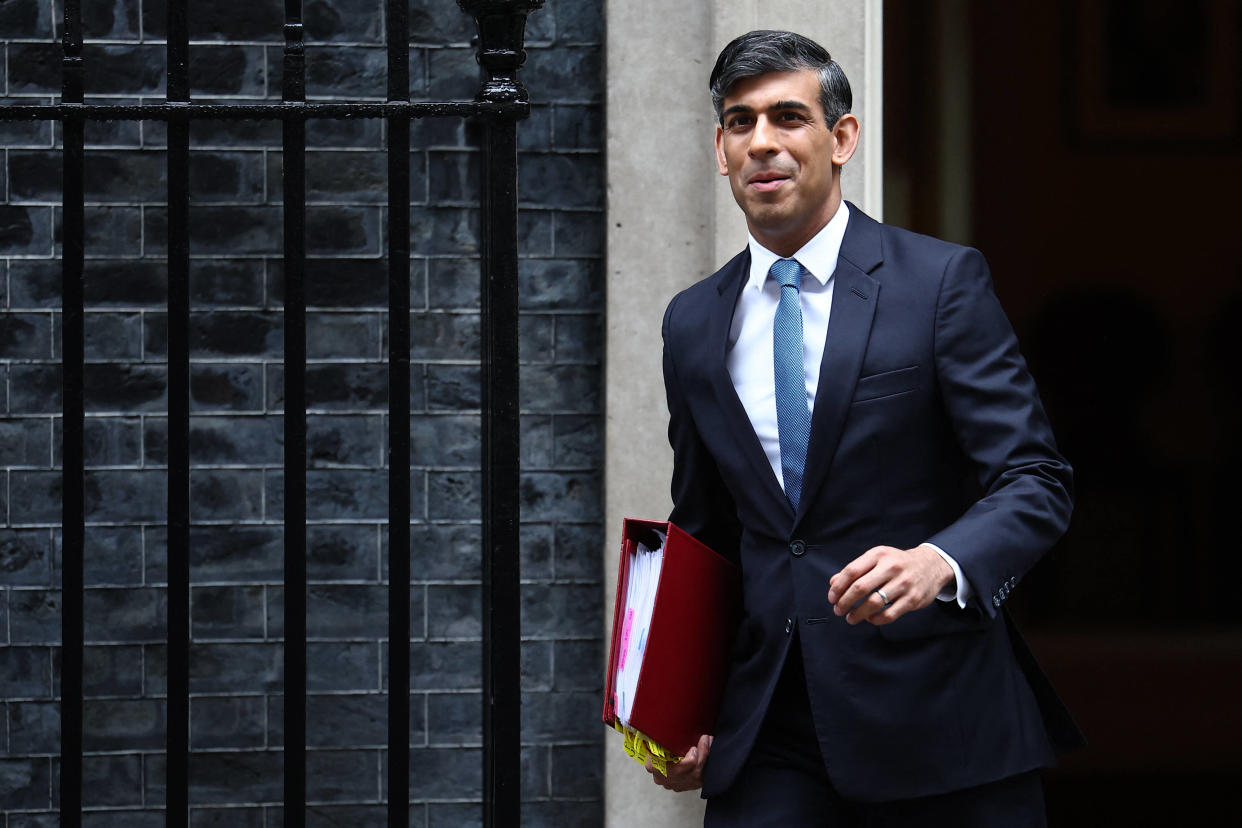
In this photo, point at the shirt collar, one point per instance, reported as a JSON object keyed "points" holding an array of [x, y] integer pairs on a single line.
{"points": [[818, 256]]}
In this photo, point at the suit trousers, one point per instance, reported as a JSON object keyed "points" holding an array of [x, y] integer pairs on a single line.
{"points": [[785, 784]]}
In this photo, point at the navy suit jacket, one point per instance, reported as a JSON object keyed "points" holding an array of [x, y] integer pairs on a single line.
{"points": [[926, 427]]}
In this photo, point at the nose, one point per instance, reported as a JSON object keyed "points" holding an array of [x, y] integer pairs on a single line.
{"points": [[763, 138]]}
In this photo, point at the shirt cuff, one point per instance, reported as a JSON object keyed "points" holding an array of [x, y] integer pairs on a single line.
{"points": [[962, 593]]}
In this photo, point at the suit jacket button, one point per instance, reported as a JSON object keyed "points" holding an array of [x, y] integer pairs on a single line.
{"points": [[995, 601], [798, 548], [788, 625]]}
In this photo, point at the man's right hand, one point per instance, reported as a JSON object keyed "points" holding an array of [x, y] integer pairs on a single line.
{"points": [[686, 775]]}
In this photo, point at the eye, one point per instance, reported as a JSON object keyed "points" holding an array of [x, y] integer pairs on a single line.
{"points": [[739, 122], [791, 115]]}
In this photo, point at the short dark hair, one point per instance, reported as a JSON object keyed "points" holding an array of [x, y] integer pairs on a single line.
{"points": [[760, 52]]}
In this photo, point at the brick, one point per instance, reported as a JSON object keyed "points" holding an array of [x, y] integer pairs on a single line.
{"points": [[453, 284], [34, 616], [439, 22], [251, 776], [536, 441], [448, 552], [342, 335], [579, 128], [341, 494], [34, 68], [227, 612], [224, 283], [235, 387], [535, 133], [350, 816], [454, 495], [454, 177], [537, 664], [436, 336], [110, 134], [225, 176], [453, 387], [439, 231], [547, 68], [554, 716], [452, 74], [228, 722], [111, 780], [234, 231], [537, 338], [446, 665], [560, 284], [334, 176], [534, 232], [336, 775], [112, 670], [561, 496], [553, 812], [341, 553], [25, 336], [337, 283], [346, 611], [26, 230], [231, 553], [576, 771], [25, 18], [579, 549], [25, 673], [227, 70], [125, 615], [445, 773], [454, 815], [124, 724], [222, 334], [106, 282], [124, 819], [554, 180], [537, 542], [34, 727], [560, 610], [107, 21], [260, 20], [25, 557], [579, 338], [340, 72], [226, 494], [579, 234], [235, 668], [111, 336], [455, 719], [342, 666], [110, 231], [220, 439], [560, 388], [454, 611], [24, 133], [579, 665], [25, 783], [579, 440], [227, 818], [346, 720], [352, 440], [111, 496], [444, 440]]}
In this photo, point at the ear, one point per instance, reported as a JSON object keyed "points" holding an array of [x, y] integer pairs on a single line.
{"points": [[722, 165], [846, 134]]}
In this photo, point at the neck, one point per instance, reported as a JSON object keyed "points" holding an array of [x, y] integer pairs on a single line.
{"points": [[787, 241]]}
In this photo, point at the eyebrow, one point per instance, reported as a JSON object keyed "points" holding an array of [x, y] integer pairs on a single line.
{"points": [[776, 107]]}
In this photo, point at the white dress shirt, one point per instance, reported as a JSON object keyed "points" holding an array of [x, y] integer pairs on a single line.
{"points": [[749, 350]]}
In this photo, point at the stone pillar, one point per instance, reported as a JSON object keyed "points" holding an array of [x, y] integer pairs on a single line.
{"points": [[671, 221]]}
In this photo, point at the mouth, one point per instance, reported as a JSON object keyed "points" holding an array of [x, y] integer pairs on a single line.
{"points": [[767, 181]]}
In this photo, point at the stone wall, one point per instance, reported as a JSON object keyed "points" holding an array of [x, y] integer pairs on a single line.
{"points": [[236, 381]]}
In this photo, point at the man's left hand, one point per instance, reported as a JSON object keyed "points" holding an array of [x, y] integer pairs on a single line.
{"points": [[910, 579]]}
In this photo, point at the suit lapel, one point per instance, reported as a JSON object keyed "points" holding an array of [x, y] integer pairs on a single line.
{"points": [[733, 278], [854, 298]]}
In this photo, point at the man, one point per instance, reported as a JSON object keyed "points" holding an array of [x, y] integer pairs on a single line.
{"points": [[852, 422]]}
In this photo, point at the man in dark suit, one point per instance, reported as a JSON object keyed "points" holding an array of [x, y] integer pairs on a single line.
{"points": [[852, 422]]}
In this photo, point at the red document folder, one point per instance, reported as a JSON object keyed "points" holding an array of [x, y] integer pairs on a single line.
{"points": [[687, 652]]}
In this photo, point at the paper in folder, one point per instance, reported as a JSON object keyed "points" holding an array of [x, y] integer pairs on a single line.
{"points": [[672, 629]]}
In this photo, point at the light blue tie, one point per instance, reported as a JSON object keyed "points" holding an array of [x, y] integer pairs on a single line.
{"points": [[793, 419]]}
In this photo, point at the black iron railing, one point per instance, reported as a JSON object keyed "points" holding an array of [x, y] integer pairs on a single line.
{"points": [[501, 102]]}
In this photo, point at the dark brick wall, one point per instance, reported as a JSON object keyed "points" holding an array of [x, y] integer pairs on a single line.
{"points": [[236, 284]]}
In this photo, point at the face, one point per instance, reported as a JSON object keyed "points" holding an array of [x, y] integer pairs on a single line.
{"points": [[782, 158]]}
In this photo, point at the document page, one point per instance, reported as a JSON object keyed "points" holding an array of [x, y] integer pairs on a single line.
{"points": [[640, 595]]}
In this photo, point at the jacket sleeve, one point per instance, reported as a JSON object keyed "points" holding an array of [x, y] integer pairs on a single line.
{"points": [[1000, 424], [702, 504]]}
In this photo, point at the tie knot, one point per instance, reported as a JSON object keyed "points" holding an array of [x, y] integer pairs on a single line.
{"points": [[788, 273]]}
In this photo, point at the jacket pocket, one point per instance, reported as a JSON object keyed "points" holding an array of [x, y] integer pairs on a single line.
{"points": [[886, 384], [940, 618]]}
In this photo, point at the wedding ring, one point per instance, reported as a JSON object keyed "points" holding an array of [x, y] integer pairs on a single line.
{"points": [[884, 597]]}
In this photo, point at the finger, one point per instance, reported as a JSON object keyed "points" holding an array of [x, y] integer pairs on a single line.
{"points": [[863, 590], [895, 611], [871, 605], [841, 582]]}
